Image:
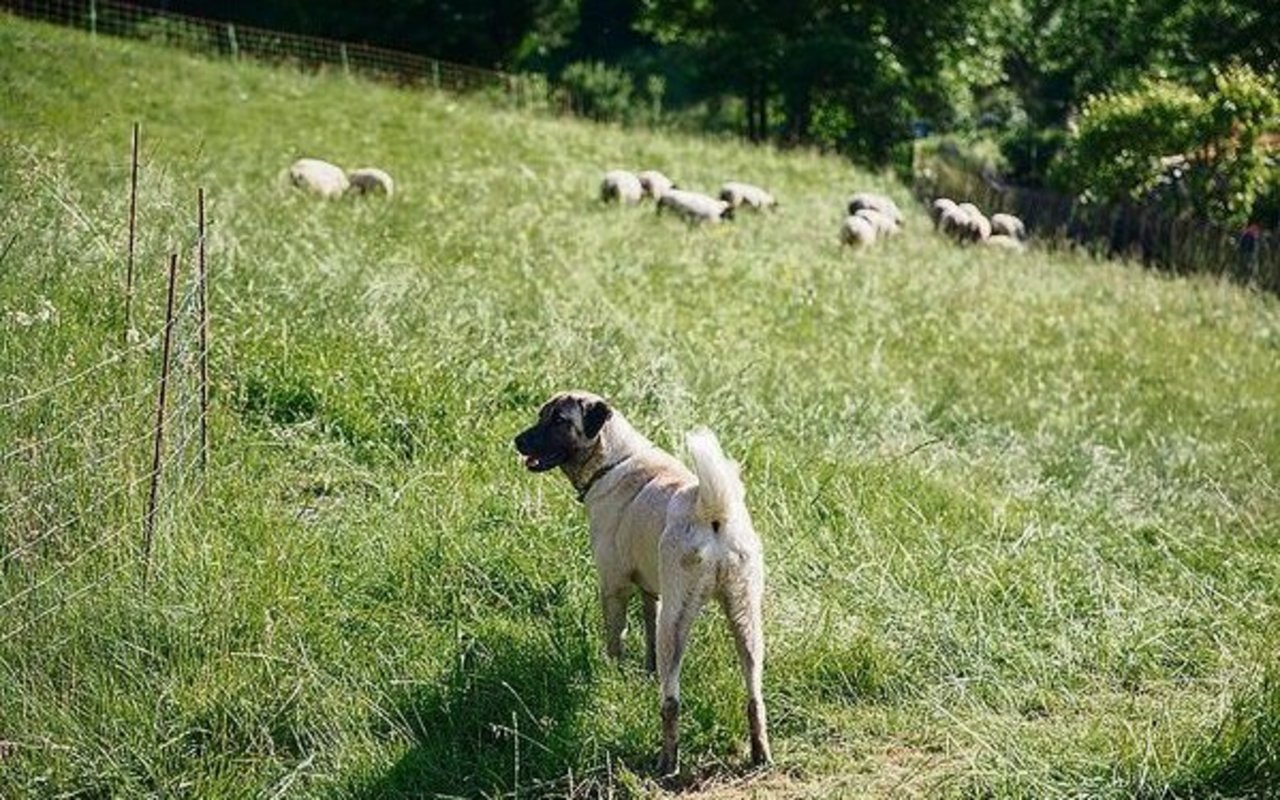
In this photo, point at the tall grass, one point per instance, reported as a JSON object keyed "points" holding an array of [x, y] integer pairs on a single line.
{"points": [[1020, 513]]}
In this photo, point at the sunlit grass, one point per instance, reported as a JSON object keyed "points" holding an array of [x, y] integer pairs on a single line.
{"points": [[1020, 513]]}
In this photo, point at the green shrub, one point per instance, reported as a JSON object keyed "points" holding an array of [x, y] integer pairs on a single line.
{"points": [[596, 90], [1266, 207], [1126, 141]]}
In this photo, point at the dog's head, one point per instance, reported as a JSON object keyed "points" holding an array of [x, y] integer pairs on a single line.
{"points": [[566, 431]]}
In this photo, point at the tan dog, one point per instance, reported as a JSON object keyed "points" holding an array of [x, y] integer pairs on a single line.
{"points": [[671, 534]]}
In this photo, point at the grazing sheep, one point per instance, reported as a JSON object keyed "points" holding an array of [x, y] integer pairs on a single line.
{"points": [[319, 177], [744, 194], [695, 207], [979, 227], [621, 186], [1005, 242], [654, 183], [878, 202], [954, 222], [938, 207], [370, 180], [857, 231], [883, 223], [1008, 225]]}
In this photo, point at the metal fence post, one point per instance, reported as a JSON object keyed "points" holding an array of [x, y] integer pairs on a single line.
{"points": [[133, 213], [157, 461], [231, 39], [203, 300], [93, 18]]}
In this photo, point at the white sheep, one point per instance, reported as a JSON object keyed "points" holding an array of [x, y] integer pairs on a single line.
{"points": [[938, 207], [979, 227], [857, 231], [878, 202], [1008, 225], [954, 222], [622, 186], [883, 223], [319, 177], [694, 206], [654, 183], [744, 194], [370, 180]]}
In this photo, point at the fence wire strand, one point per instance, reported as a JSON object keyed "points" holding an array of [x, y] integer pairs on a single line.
{"points": [[49, 504], [224, 39]]}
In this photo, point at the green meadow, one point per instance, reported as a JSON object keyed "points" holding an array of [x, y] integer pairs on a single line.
{"points": [[1021, 512]]}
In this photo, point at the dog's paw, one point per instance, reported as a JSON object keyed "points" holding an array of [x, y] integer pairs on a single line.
{"points": [[668, 767], [760, 755]]}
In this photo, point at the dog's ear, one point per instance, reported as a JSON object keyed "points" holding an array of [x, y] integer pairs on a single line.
{"points": [[594, 415]]}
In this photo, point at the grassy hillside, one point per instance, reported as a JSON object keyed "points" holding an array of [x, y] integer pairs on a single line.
{"points": [[1020, 513]]}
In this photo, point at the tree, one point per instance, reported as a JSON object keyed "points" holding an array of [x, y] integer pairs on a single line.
{"points": [[1129, 144]]}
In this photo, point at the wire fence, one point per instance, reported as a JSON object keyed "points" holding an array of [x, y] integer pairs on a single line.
{"points": [[77, 448], [229, 40], [1175, 244]]}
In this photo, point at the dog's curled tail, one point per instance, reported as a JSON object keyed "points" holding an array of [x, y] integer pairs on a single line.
{"points": [[720, 490]]}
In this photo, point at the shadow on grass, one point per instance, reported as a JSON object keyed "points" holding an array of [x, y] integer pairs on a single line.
{"points": [[507, 717], [1243, 759]]}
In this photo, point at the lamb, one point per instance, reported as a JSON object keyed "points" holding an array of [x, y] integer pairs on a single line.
{"points": [[622, 186], [857, 231], [878, 202], [695, 207], [938, 207], [744, 194], [654, 183], [319, 177], [883, 223], [1008, 225], [370, 180]]}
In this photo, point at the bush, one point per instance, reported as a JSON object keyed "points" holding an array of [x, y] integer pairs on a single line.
{"points": [[596, 90], [1266, 208], [1136, 145]]}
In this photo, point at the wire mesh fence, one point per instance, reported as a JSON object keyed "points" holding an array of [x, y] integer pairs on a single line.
{"points": [[228, 40], [1175, 244], [78, 429]]}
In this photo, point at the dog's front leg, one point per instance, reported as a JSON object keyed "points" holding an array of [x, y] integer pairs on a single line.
{"points": [[650, 632], [614, 602]]}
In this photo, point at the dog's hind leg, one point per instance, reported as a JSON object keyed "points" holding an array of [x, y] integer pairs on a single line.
{"points": [[679, 607], [650, 632], [741, 605]]}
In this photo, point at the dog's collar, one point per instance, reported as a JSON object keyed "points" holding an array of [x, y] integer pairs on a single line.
{"points": [[595, 477]]}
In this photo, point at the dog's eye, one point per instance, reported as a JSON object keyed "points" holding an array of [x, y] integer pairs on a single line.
{"points": [[559, 419]]}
